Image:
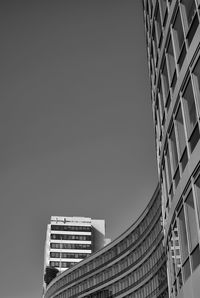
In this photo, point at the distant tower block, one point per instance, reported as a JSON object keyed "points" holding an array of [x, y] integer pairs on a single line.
{"points": [[69, 240]]}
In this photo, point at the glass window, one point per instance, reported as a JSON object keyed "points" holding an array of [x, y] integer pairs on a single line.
{"points": [[178, 34], [154, 42], [180, 131], [197, 195], [164, 187], [163, 8], [168, 166], [186, 270], [161, 102], [165, 81], [189, 108], [173, 146], [195, 258], [54, 254], [188, 11], [170, 60], [158, 26], [196, 78], [181, 142], [183, 235], [191, 221]]}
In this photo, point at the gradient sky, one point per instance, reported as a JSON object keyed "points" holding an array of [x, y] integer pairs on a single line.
{"points": [[76, 127]]}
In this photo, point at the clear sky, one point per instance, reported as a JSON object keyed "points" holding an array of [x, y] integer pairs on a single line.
{"points": [[76, 127]]}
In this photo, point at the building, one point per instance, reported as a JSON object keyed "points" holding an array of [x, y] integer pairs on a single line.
{"points": [[173, 48], [132, 266], [70, 240]]}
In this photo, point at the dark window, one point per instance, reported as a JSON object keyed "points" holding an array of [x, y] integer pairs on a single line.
{"points": [[186, 270], [70, 246], [189, 108], [195, 258], [197, 195], [165, 81], [171, 62], [70, 228], [196, 77], [178, 34], [188, 11], [191, 221], [70, 237], [163, 7], [158, 26]]}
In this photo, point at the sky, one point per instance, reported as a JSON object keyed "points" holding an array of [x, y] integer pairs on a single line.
{"points": [[76, 128]]}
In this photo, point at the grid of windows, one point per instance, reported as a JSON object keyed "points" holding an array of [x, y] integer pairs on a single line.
{"points": [[70, 228], [175, 83], [58, 264], [135, 260], [183, 244], [70, 246], [70, 237], [65, 255], [175, 143]]}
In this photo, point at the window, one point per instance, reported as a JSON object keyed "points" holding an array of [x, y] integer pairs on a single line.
{"points": [[70, 228], [171, 63], [186, 270], [196, 79], [195, 258], [168, 167], [183, 235], [190, 110], [54, 254], [191, 221], [158, 26], [70, 237], [161, 102], [178, 34], [181, 138], [197, 195], [165, 81], [163, 7], [190, 115], [173, 146], [188, 11], [154, 43], [192, 29]]}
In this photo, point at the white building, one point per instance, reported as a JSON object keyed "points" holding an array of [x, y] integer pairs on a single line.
{"points": [[71, 239]]}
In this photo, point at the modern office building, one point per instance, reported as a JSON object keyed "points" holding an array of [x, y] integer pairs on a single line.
{"points": [[173, 46], [132, 266], [70, 240]]}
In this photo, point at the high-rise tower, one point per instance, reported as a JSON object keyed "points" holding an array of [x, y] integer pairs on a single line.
{"points": [[70, 240], [173, 46]]}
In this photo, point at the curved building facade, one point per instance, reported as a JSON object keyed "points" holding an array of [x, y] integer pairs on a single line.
{"points": [[173, 48], [133, 265]]}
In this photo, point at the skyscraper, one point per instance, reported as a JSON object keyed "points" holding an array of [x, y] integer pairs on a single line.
{"points": [[173, 46], [71, 239]]}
